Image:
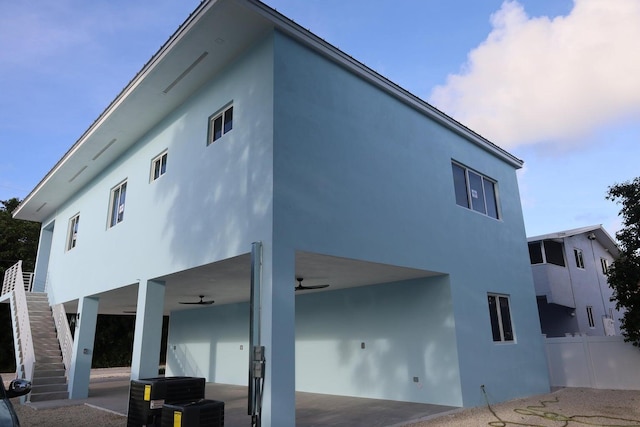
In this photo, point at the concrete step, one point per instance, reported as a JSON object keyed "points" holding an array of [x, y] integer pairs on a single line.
{"points": [[51, 380], [55, 395], [48, 388], [47, 373], [47, 365]]}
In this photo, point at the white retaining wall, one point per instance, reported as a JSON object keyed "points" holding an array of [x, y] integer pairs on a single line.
{"points": [[594, 362]]}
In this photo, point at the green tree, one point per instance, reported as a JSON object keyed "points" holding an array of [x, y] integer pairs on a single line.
{"points": [[624, 274], [18, 238]]}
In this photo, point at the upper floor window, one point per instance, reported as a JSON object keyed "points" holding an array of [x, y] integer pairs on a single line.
{"points": [[220, 124], [73, 232], [475, 191], [604, 263], [546, 251], [500, 315], [159, 166], [577, 253], [116, 211]]}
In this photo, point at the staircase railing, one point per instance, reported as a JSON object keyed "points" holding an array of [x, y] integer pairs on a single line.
{"points": [[25, 355], [64, 335], [13, 278]]}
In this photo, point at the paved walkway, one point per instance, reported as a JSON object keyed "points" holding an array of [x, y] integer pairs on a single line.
{"points": [[109, 390]]}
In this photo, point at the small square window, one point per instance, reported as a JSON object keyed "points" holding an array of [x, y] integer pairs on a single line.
{"points": [[500, 316], [158, 166], [579, 258], [116, 211], [72, 237], [220, 124]]}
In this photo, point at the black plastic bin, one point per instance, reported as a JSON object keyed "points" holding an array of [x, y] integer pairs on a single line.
{"points": [[147, 397], [203, 413]]}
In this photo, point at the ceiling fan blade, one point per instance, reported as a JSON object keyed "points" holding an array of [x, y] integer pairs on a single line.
{"points": [[201, 302], [302, 287]]}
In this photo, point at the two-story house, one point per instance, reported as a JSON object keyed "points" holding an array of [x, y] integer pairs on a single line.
{"points": [[248, 147], [570, 276]]}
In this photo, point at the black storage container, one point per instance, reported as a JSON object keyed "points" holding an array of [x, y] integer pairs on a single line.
{"points": [[203, 413], [148, 395]]}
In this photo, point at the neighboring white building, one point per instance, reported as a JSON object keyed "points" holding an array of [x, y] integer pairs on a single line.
{"points": [[570, 275]]}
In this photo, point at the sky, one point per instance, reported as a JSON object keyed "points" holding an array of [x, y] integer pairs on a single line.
{"points": [[554, 82]]}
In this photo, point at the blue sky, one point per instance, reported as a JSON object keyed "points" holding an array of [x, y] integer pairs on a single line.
{"points": [[552, 81]]}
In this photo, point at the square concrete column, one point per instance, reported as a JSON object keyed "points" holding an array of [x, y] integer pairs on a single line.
{"points": [[148, 330], [277, 335], [82, 355]]}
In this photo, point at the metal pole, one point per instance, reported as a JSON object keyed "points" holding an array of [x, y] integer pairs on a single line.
{"points": [[256, 352]]}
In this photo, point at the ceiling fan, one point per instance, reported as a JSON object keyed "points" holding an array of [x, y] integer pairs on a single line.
{"points": [[301, 287], [201, 302]]}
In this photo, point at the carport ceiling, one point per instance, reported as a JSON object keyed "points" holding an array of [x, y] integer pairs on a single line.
{"points": [[228, 281]]}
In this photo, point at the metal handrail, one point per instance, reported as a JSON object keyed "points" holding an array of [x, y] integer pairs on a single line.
{"points": [[64, 335], [23, 331]]}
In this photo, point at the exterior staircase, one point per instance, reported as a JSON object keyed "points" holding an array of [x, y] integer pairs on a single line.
{"points": [[49, 380], [41, 335]]}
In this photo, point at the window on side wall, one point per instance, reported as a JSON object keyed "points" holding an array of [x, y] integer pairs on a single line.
{"points": [[500, 315], [475, 191], [72, 236], [605, 265], [220, 124], [116, 211], [158, 166], [577, 253], [592, 323]]}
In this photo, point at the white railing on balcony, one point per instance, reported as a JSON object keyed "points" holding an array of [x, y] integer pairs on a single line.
{"points": [[64, 335], [22, 334]]}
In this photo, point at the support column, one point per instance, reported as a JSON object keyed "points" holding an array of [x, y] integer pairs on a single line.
{"points": [[148, 330], [83, 340], [277, 335]]}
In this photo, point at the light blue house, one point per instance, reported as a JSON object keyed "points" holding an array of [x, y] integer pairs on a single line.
{"points": [[244, 128]]}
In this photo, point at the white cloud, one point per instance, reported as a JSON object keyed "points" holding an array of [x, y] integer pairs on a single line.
{"points": [[540, 80]]}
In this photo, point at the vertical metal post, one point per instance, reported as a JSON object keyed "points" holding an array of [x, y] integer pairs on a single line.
{"points": [[256, 358]]}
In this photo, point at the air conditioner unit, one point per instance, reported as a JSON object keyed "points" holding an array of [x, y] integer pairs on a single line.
{"points": [[203, 413]]}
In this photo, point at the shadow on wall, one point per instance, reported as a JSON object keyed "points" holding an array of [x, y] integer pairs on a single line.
{"points": [[394, 341]]}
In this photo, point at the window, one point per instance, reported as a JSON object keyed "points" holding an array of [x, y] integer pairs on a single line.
{"points": [[158, 166], [220, 124], [547, 251], [592, 324], [475, 191], [579, 259], [500, 315], [73, 232], [605, 265], [116, 212]]}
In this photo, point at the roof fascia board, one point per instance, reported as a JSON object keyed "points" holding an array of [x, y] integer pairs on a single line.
{"points": [[294, 30]]}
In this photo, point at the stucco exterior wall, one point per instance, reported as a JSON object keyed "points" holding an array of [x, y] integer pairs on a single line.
{"points": [[361, 175], [211, 204]]}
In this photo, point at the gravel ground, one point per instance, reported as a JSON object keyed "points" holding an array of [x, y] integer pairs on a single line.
{"points": [[569, 407]]}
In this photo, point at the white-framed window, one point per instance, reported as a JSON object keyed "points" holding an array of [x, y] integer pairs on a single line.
{"points": [[72, 236], [158, 166], [116, 207], [577, 253], [500, 316], [220, 124], [604, 263], [475, 191], [592, 324], [546, 252]]}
